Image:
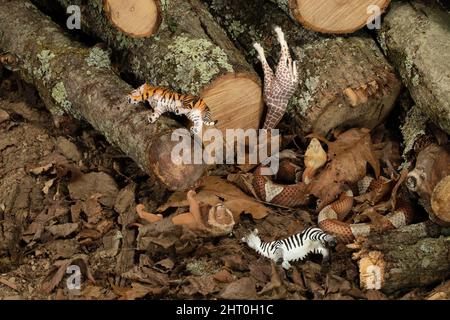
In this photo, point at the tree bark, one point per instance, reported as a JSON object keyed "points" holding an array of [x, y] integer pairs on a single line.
{"points": [[190, 53], [75, 80], [414, 35], [404, 259], [344, 82], [332, 16]]}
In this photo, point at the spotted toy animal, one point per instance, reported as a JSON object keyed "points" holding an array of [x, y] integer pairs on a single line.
{"points": [[163, 100], [295, 247]]}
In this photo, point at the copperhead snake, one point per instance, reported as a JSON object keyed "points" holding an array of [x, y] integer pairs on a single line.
{"points": [[331, 216], [278, 90]]}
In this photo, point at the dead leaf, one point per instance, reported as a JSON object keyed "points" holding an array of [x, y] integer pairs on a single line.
{"points": [[234, 262], [164, 266], [203, 285], [93, 209], [260, 270], [224, 276], [147, 275], [375, 295], [275, 281], [242, 289], [94, 183], [244, 182], [88, 233], [54, 277], [47, 186], [75, 211], [349, 156], [93, 292], [335, 284], [8, 283], [125, 199], [212, 190], [68, 149], [62, 248], [62, 230], [41, 169], [137, 291], [3, 115]]}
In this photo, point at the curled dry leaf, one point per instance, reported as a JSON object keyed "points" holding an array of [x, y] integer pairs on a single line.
{"points": [[315, 158], [349, 156], [41, 169], [212, 190], [164, 266], [56, 275], [47, 186]]}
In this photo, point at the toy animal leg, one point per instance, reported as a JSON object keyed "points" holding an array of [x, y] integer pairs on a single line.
{"points": [[196, 117], [268, 73], [325, 255], [197, 127], [286, 68], [286, 265], [157, 112]]}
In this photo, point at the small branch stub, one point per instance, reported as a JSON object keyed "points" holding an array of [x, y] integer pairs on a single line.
{"points": [[135, 18]]}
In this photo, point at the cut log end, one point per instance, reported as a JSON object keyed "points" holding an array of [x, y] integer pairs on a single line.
{"points": [[235, 101], [336, 16], [135, 18], [440, 200], [371, 271], [166, 163]]}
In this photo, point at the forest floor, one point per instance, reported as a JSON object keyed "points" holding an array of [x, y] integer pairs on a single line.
{"points": [[74, 199]]}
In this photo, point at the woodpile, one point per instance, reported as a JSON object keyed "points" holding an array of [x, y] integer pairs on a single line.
{"points": [[189, 53], [343, 82], [420, 51]]}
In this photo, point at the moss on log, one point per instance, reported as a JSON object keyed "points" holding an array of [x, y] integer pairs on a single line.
{"points": [[344, 82], [76, 80], [190, 53], [415, 37]]}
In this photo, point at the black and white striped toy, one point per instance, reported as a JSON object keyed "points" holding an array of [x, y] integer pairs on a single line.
{"points": [[293, 248]]}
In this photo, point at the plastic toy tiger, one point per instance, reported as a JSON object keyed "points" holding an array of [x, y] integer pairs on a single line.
{"points": [[163, 100]]}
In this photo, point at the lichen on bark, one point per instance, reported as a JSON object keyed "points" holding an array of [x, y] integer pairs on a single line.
{"points": [[206, 61]]}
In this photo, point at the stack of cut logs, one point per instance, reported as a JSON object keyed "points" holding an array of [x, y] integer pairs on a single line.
{"points": [[204, 47]]}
